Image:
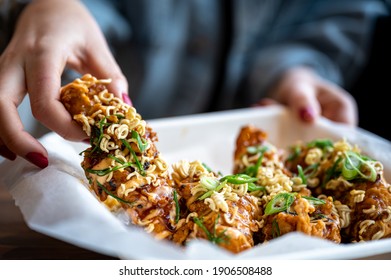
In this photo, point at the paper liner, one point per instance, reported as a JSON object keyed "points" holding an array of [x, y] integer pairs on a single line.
{"points": [[57, 202]]}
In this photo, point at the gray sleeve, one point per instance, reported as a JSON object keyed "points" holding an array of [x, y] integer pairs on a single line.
{"points": [[9, 13], [332, 37], [107, 14]]}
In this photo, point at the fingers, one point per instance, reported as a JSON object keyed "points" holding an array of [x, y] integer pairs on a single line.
{"points": [[338, 105], [43, 76], [99, 62], [302, 99], [310, 96], [14, 140]]}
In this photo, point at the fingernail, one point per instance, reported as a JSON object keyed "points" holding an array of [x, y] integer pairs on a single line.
{"points": [[87, 141], [126, 99], [37, 159], [306, 114], [5, 152]]}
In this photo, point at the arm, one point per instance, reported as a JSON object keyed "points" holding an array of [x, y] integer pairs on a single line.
{"points": [[327, 42], [49, 36]]}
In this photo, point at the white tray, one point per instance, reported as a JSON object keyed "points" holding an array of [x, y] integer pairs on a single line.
{"points": [[56, 202]]}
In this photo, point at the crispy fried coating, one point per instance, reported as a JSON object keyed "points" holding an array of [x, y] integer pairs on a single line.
{"points": [[123, 166], [224, 218]]}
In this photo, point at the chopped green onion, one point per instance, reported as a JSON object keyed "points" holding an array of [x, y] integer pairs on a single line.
{"points": [[238, 179], [314, 201], [139, 166], [252, 188], [101, 123], [177, 207], [350, 167], [320, 143], [119, 116], [216, 239], [113, 195], [105, 171], [275, 229], [354, 164], [281, 202], [141, 142], [207, 167], [253, 169], [210, 192], [116, 159], [304, 174], [257, 149], [301, 174], [295, 154], [209, 182]]}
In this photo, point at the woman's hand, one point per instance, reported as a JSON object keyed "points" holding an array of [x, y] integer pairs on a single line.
{"points": [[49, 36], [310, 96]]}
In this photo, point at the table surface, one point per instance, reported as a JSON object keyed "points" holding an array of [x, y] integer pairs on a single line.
{"points": [[19, 242]]}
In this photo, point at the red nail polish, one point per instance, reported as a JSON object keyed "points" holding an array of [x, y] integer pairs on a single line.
{"points": [[37, 159], [306, 114], [87, 141], [126, 99], [5, 152]]}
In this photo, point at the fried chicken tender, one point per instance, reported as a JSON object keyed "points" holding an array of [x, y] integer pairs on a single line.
{"points": [[314, 220], [356, 182], [215, 210], [123, 166], [256, 157]]}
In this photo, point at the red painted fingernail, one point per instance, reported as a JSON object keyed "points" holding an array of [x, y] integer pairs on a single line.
{"points": [[306, 114], [5, 152], [37, 159], [126, 99], [87, 141]]}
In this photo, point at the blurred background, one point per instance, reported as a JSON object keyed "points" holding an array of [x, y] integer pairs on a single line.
{"points": [[372, 88]]}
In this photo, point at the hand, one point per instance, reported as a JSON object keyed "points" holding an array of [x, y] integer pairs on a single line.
{"points": [[310, 96], [49, 36]]}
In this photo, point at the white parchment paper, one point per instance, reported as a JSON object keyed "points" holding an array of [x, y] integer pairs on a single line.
{"points": [[56, 201]]}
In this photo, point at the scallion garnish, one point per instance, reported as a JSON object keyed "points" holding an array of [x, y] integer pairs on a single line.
{"points": [[216, 239], [301, 174], [308, 172], [252, 188], [313, 200], [207, 167], [321, 143], [105, 171], [210, 192], [141, 142], [353, 166], [239, 179], [252, 170], [332, 172], [275, 229], [101, 123], [257, 149], [209, 182], [116, 159], [295, 153], [113, 195], [139, 166], [279, 203]]}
